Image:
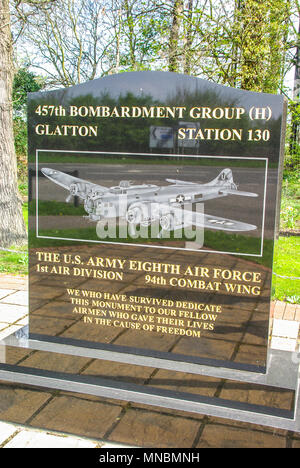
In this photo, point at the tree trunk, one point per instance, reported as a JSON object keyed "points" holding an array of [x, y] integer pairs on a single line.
{"points": [[118, 41], [130, 24], [12, 227], [294, 138], [188, 39], [235, 58], [280, 14], [174, 35], [254, 45]]}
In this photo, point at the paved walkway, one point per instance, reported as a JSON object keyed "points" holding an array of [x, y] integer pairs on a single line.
{"points": [[13, 316], [146, 424]]}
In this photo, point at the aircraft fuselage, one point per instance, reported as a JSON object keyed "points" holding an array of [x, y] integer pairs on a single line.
{"points": [[118, 199]]}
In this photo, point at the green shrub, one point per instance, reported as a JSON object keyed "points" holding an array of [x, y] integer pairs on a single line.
{"points": [[20, 135]]}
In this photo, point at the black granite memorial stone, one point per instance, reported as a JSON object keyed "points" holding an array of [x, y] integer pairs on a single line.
{"points": [[152, 217], [153, 209]]}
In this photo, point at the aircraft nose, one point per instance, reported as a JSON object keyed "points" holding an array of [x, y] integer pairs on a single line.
{"points": [[48, 172]]}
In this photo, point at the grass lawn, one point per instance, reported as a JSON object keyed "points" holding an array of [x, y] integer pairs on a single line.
{"points": [[287, 263], [290, 203], [16, 263], [54, 208]]}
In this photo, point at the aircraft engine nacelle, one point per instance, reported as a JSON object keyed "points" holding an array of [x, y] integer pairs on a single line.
{"points": [[140, 213], [93, 206], [74, 189], [169, 221]]}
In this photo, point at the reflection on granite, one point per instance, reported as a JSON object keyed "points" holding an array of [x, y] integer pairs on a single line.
{"points": [[229, 321]]}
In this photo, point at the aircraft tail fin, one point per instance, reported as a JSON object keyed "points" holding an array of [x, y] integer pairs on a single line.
{"points": [[224, 179]]}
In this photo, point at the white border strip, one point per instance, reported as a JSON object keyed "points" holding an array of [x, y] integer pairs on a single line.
{"points": [[264, 210], [151, 155]]}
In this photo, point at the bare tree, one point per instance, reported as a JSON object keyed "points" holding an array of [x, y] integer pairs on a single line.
{"points": [[226, 41], [174, 52], [74, 41], [294, 136], [67, 39], [188, 39], [12, 228]]}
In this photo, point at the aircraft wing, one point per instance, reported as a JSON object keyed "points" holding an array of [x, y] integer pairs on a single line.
{"points": [[68, 182], [238, 192], [214, 222], [180, 182], [191, 218]]}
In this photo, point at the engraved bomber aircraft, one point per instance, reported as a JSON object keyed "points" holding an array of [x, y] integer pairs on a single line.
{"points": [[147, 203]]}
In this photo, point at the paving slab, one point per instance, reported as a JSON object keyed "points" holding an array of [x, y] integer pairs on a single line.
{"points": [[279, 309], [150, 429], [33, 439], [13, 282], [17, 297], [285, 328], [290, 312], [23, 322], [285, 344], [11, 313], [17, 436], [6, 292], [6, 431], [228, 436], [17, 405], [72, 414], [111, 445]]}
